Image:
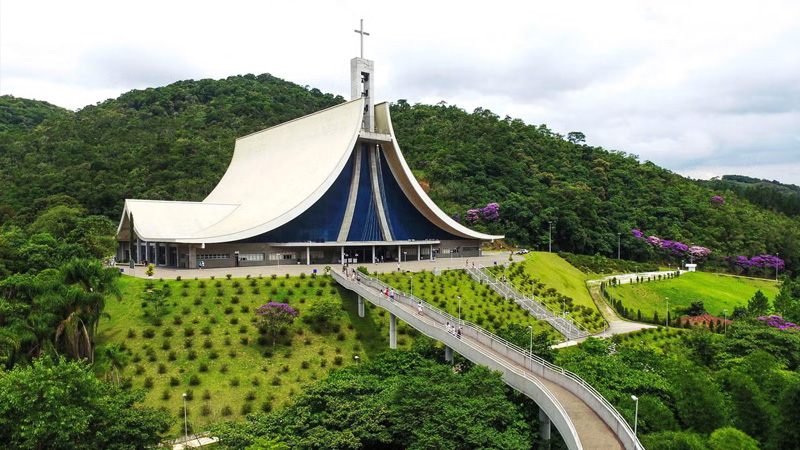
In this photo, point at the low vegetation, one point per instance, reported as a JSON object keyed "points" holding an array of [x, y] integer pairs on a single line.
{"points": [[717, 292], [201, 341]]}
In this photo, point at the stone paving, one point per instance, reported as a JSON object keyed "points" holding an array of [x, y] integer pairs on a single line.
{"points": [[487, 259]]}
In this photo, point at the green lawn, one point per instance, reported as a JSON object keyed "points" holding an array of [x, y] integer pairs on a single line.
{"points": [[717, 292], [553, 279], [479, 303], [206, 334]]}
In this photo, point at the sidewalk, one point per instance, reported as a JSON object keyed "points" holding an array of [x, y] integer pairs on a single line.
{"points": [[488, 259]]}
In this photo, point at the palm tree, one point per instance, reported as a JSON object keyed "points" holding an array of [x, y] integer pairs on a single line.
{"points": [[113, 360]]}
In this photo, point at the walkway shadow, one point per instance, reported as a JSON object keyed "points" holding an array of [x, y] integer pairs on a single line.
{"points": [[374, 335]]}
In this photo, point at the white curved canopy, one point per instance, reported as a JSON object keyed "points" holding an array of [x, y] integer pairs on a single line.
{"points": [[274, 176]]}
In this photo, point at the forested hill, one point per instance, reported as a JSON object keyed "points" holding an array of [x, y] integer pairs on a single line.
{"points": [[22, 114], [772, 195], [175, 142]]}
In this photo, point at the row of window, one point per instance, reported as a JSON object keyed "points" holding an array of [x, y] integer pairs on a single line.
{"points": [[213, 256], [251, 257]]}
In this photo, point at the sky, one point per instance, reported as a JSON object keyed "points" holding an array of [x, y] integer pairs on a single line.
{"points": [[703, 88]]}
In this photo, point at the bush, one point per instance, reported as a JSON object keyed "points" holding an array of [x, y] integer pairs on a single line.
{"points": [[148, 333], [226, 411]]}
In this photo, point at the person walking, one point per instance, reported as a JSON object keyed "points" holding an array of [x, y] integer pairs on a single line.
{"points": [[459, 332], [391, 295], [419, 308]]}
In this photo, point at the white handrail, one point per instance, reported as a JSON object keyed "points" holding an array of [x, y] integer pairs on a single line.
{"points": [[368, 280], [571, 329]]}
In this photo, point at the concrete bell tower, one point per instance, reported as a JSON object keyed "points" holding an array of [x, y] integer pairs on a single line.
{"points": [[362, 73]]}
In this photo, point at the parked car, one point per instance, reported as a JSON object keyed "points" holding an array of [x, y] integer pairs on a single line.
{"points": [[522, 251]]}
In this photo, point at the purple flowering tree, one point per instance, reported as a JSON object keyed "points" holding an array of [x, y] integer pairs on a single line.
{"points": [[274, 316], [778, 322], [697, 253], [491, 212], [457, 217], [717, 200], [757, 262], [472, 216], [637, 234]]}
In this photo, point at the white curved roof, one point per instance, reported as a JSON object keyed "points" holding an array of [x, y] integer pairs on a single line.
{"points": [[411, 187], [274, 176]]}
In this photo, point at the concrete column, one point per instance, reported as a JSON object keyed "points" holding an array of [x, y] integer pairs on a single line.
{"points": [[360, 306], [399, 254], [392, 331], [448, 354], [343, 255], [544, 427], [155, 259], [308, 255], [419, 253], [373, 254]]}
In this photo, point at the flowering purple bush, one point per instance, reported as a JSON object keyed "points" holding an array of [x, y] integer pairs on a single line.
{"points": [[274, 316], [472, 216], [758, 262], [698, 253], [778, 322], [717, 199], [491, 212], [457, 217], [637, 234], [654, 241], [674, 247]]}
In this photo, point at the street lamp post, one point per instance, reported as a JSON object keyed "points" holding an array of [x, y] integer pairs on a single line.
{"points": [[356, 358], [726, 321], [411, 277], [530, 327], [459, 309], [185, 422], [405, 256], [619, 241], [666, 319], [776, 266], [550, 239], [635, 414]]}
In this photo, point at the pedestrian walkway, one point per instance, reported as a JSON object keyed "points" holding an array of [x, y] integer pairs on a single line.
{"points": [[506, 289], [582, 416], [296, 269]]}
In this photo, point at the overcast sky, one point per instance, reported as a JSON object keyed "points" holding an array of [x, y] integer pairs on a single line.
{"points": [[702, 88]]}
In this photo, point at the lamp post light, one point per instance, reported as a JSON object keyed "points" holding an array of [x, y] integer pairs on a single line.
{"points": [[459, 310], [635, 414], [411, 278], [530, 327], [666, 319], [185, 422], [726, 321], [356, 358], [550, 239], [405, 256], [619, 248]]}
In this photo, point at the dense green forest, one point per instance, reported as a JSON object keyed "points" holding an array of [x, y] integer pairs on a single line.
{"points": [[175, 142], [772, 195]]}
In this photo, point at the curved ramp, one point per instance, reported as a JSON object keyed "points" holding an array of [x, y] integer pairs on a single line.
{"points": [[582, 416]]}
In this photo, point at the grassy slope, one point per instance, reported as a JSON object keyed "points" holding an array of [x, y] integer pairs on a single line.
{"points": [[560, 275], [717, 292], [479, 304], [243, 363]]}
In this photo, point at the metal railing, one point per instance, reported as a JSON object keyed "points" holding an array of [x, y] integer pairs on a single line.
{"points": [[570, 328], [380, 286]]}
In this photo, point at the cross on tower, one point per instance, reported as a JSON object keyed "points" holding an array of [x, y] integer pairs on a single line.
{"points": [[362, 33]]}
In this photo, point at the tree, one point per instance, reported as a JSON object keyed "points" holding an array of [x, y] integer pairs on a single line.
{"points": [[729, 438], [56, 404], [695, 309], [274, 316], [157, 298], [576, 137], [758, 305]]}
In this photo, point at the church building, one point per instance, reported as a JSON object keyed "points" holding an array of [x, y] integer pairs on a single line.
{"points": [[328, 188]]}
